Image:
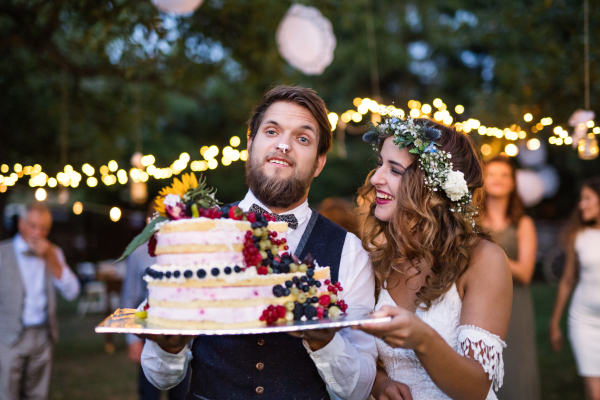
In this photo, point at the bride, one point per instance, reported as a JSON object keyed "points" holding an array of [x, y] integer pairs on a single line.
{"points": [[447, 288]]}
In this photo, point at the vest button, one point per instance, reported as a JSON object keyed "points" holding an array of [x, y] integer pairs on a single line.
{"points": [[260, 366], [261, 342], [260, 390]]}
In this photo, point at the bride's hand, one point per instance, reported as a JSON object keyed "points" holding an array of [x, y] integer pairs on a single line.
{"points": [[405, 330], [388, 389]]}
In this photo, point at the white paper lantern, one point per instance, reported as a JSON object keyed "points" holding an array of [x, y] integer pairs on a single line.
{"points": [[532, 158], [305, 39], [530, 187], [550, 179], [177, 7]]}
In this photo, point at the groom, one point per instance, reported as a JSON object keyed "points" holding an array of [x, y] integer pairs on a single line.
{"points": [[288, 140]]}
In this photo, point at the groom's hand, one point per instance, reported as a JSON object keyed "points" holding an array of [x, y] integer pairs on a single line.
{"points": [[317, 338], [170, 343]]}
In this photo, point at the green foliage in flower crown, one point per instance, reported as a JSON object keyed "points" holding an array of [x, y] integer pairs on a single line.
{"points": [[201, 195]]}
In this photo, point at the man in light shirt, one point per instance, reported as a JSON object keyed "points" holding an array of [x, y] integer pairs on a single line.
{"points": [[31, 268], [288, 139]]}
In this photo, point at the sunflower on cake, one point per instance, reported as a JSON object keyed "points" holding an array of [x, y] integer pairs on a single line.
{"points": [[219, 267]]}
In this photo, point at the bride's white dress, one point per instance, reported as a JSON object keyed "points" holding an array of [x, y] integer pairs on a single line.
{"points": [[402, 365]]}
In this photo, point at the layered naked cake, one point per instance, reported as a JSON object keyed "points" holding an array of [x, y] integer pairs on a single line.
{"points": [[223, 268]]}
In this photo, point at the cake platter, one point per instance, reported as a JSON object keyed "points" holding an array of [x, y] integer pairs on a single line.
{"points": [[123, 320]]}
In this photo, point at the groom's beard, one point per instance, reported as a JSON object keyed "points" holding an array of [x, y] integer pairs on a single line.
{"points": [[275, 191]]}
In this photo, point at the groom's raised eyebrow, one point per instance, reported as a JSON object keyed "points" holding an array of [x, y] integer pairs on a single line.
{"points": [[307, 127]]}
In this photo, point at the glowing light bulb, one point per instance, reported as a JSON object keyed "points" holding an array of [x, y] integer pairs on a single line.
{"points": [[115, 214], [40, 194]]}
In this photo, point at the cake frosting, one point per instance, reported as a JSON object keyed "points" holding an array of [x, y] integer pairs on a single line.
{"points": [[219, 267]]}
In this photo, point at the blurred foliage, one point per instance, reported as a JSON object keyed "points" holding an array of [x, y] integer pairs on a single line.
{"points": [[136, 79]]}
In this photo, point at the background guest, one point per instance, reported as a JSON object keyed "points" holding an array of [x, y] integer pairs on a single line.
{"points": [[135, 291], [582, 267], [515, 233], [31, 268], [340, 211]]}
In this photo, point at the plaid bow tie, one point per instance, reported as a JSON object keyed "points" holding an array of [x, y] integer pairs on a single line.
{"points": [[291, 219]]}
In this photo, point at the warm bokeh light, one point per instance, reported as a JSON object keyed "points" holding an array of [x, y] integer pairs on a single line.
{"points": [[52, 182], [235, 140], [356, 117], [482, 130], [533, 144], [528, 117], [115, 214], [185, 157], [357, 101], [459, 109], [437, 103], [77, 208], [568, 140], [88, 169], [91, 181], [226, 160], [244, 155], [104, 170], [511, 150], [426, 108], [18, 167], [552, 139], [4, 168], [596, 130], [486, 149], [40, 194], [415, 113], [203, 150], [590, 124], [363, 108], [148, 160], [212, 163], [112, 166]]}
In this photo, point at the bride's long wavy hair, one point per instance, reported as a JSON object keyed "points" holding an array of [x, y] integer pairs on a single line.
{"points": [[423, 229]]}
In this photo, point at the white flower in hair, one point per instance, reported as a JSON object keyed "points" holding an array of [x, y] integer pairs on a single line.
{"points": [[455, 186]]}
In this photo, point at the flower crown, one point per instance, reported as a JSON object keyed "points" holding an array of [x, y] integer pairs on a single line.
{"points": [[437, 164]]}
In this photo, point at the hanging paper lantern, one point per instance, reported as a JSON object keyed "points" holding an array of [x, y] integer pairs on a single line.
{"points": [[177, 7], [588, 147], [305, 39], [531, 158], [530, 187], [550, 179]]}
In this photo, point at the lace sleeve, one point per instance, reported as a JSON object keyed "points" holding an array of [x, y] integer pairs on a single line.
{"points": [[487, 349]]}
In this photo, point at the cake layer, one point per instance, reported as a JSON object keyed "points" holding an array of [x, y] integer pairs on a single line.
{"points": [[203, 224], [174, 295], [207, 224], [199, 248], [249, 277], [200, 259], [167, 323], [214, 314], [259, 301], [213, 237]]}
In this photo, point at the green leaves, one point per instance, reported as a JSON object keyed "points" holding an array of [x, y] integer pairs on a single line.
{"points": [[202, 195], [142, 238]]}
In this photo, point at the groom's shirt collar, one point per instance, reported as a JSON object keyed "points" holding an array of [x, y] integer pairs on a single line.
{"points": [[302, 212]]}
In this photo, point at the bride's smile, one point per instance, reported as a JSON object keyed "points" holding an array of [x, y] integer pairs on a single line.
{"points": [[391, 166]]}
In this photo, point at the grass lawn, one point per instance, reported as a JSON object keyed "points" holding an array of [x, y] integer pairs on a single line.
{"points": [[83, 370]]}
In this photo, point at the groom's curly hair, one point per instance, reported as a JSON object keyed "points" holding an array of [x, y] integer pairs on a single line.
{"points": [[423, 230]]}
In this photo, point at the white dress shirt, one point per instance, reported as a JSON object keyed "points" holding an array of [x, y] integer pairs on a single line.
{"points": [[347, 364], [33, 272]]}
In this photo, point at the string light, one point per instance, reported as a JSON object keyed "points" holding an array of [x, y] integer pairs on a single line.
{"points": [[115, 214], [77, 208], [40, 194]]}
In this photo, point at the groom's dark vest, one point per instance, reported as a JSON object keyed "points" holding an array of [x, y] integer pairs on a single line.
{"points": [[267, 366]]}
